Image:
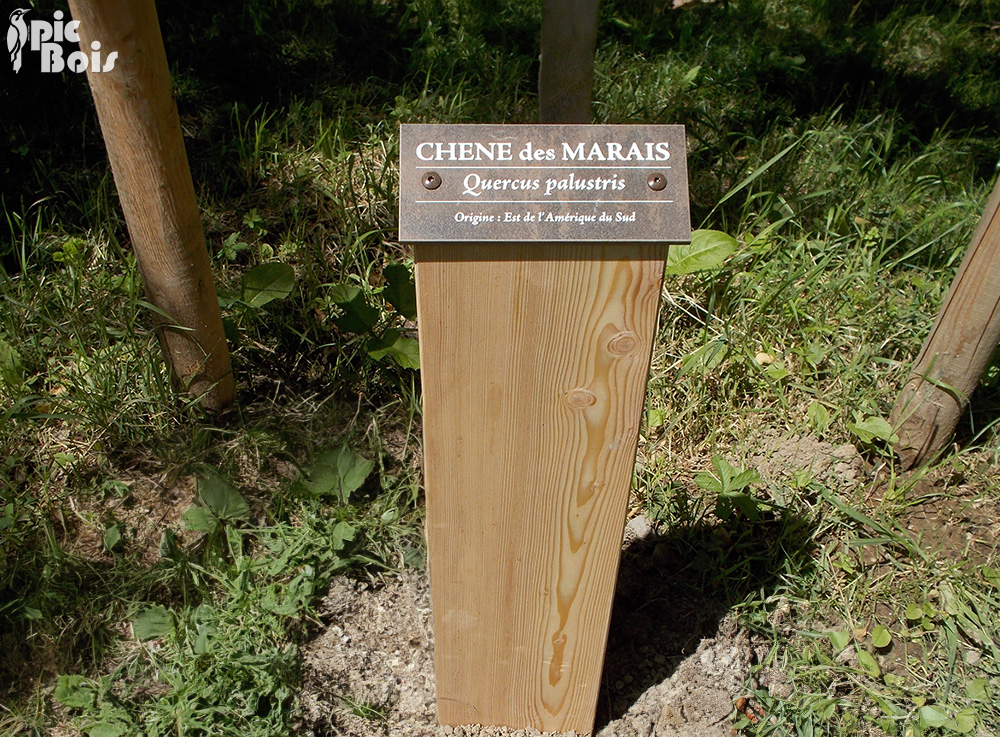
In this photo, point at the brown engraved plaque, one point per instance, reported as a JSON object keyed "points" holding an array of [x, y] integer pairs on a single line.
{"points": [[542, 183]]}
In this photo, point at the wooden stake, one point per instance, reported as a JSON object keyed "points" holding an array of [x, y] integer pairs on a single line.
{"points": [[142, 133], [956, 352], [566, 75], [534, 361]]}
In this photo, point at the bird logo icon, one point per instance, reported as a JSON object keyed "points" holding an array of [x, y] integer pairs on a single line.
{"points": [[17, 36]]}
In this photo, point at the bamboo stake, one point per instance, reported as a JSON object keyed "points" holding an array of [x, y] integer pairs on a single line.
{"points": [[566, 75], [142, 133], [957, 351]]}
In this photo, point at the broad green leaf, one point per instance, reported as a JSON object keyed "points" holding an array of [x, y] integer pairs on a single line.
{"points": [[655, 417], [991, 575], [341, 535], [814, 353], [728, 481], [708, 482], [868, 663], [404, 351], [275, 603], [359, 316], [400, 290], [777, 371], [220, 497], [744, 478], [977, 689], [152, 623], [826, 708], [966, 720], [949, 601], [734, 479], [75, 692], [112, 536], [64, 460], [11, 365], [932, 716], [872, 428], [914, 612], [818, 416], [881, 637], [708, 249], [267, 282], [729, 502], [199, 519], [321, 476], [724, 469], [352, 470], [203, 641], [840, 639], [340, 471]]}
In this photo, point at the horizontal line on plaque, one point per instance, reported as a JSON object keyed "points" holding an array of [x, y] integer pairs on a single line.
{"points": [[502, 166], [544, 202]]}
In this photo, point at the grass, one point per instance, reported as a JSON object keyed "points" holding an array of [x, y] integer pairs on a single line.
{"points": [[847, 148]]}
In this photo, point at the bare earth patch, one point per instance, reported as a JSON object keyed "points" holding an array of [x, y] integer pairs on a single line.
{"points": [[677, 664], [371, 672], [143, 513]]}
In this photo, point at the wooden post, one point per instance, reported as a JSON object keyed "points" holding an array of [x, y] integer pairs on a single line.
{"points": [[534, 362], [538, 266], [566, 74], [142, 133], [957, 351]]}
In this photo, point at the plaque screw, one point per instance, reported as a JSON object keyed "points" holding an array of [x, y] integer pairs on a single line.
{"points": [[656, 181], [432, 180]]}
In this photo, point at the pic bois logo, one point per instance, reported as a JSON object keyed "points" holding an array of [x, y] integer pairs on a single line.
{"points": [[48, 40]]}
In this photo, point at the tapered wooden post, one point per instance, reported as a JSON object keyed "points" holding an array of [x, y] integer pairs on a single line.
{"points": [[539, 257], [957, 351], [566, 74], [142, 133], [534, 362]]}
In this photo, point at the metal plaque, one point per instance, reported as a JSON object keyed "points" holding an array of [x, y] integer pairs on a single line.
{"points": [[542, 183]]}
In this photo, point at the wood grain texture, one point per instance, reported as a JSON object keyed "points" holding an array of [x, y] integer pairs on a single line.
{"points": [[566, 73], [142, 132], [534, 361], [957, 351]]}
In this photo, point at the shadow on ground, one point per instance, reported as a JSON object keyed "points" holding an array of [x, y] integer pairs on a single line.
{"points": [[675, 590]]}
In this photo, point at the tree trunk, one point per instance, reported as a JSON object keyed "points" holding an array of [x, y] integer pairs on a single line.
{"points": [[957, 351], [566, 76], [142, 133]]}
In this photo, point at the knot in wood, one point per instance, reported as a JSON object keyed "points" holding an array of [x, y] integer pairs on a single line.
{"points": [[624, 343], [581, 398]]}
